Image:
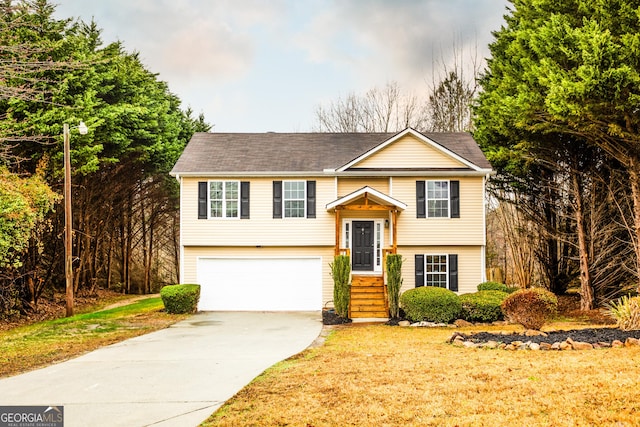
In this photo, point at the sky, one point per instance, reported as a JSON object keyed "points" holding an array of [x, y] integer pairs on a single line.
{"points": [[267, 65]]}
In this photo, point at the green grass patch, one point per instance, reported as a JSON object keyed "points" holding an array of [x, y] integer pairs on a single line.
{"points": [[35, 345]]}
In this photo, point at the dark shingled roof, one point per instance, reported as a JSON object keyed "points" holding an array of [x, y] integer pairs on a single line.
{"points": [[298, 152]]}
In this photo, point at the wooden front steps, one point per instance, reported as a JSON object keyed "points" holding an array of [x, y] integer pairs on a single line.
{"points": [[368, 299]]}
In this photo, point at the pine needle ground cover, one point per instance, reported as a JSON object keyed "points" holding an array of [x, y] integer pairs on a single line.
{"points": [[390, 376], [33, 346]]}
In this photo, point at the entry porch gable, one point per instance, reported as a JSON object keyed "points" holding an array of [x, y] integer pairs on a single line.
{"points": [[366, 199]]}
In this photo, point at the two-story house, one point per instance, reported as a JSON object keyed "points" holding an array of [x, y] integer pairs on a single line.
{"points": [[262, 215]]}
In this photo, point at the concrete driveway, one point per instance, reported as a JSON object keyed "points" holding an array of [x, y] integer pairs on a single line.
{"points": [[173, 377]]}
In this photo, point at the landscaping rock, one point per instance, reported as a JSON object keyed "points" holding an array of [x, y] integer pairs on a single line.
{"points": [[579, 345], [404, 323], [425, 324], [461, 323], [458, 341], [565, 346], [534, 346], [491, 344], [631, 342], [617, 344], [534, 333], [545, 346]]}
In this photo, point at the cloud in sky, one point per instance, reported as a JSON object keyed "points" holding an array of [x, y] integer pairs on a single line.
{"points": [[253, 65]]}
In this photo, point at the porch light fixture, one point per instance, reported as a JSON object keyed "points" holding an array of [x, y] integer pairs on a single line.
{"points": [[68, 219], [386, 223]]}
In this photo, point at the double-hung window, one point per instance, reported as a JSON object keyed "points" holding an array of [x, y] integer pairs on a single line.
{"points": [[435, 268], [224, 199], [294, 199], [438, 199]]}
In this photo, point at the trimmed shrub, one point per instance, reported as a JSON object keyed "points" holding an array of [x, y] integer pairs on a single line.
{"points": [[492, 286], [530, 307], [179, 299], [482, 306], [431, 304], [496, 286], [394, 283], [341, 273], [626, 312]]}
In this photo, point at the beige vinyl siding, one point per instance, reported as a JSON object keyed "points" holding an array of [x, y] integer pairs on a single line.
{"points": [[191, 254], [466, 230], [470, 268], [261, 229], [409, 152], [347, 186]]}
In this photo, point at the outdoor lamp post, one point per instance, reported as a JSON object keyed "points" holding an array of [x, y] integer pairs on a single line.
{"points": [[68, 219]]}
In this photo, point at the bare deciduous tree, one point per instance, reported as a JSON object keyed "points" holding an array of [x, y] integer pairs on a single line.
{"points": [[384, 109]]}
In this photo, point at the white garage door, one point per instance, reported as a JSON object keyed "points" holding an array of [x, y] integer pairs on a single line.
{"points": [[260, 284]]}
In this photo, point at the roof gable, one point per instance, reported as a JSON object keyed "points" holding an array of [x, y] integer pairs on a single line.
{"points": [[412, 150], [368, 193]]}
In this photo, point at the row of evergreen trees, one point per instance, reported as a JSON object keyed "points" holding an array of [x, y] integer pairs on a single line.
{"points": [[125, 205]]}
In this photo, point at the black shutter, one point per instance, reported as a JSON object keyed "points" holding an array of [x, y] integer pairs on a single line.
{"points": [[454, 189], [421, 200], [453, 272], [419, 270], [244, 200], [311, 199], [202, 200], [277, 199]]}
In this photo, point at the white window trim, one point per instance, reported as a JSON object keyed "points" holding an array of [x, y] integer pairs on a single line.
{"points": [[446, 274], [224, 200], [426, 200], [284, 199], [377, 252]]}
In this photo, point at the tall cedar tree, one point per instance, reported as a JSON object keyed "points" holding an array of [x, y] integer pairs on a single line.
{"points": [[561, 75]]}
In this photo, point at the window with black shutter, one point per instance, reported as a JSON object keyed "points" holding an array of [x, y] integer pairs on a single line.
{"points": [[311, 199], [421, 200], [277, 199], [202, 200], [419, 259], [454, 188], [244, 200], [440, 270]]}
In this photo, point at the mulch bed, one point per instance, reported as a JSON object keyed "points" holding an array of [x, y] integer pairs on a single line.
{"points": [[329, 317], [590, 335]]}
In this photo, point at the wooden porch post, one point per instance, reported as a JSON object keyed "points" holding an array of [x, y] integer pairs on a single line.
{"points": [[394, 220], [337, 250]]}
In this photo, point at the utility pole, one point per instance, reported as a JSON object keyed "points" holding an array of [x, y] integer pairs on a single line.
{"points": [[68, 222], [68, 217]]}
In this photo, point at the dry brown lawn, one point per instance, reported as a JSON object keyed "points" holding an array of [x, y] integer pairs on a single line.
{"points": [[391, 376]]}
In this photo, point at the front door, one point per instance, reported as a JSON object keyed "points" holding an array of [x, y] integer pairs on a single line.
{"points": [[362, 246]]}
